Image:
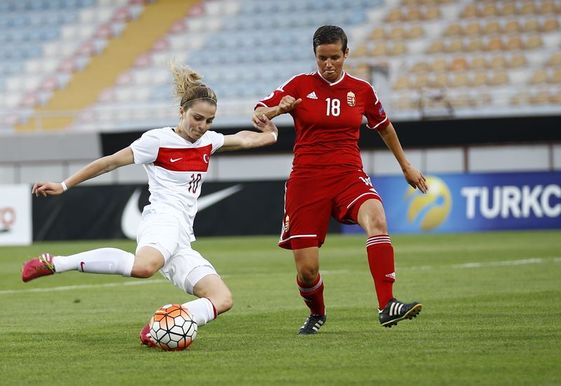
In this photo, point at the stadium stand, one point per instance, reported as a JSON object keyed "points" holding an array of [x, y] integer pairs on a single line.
{"points": [[77, 69], [479, 58], [43, 42]]}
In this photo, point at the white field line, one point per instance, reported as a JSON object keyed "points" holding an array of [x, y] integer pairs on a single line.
{"points": [[82, 286], [504, 263], [487, 264]]}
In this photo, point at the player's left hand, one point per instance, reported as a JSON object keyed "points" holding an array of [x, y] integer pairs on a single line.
{"points": [[416, 179], [264, 124]]}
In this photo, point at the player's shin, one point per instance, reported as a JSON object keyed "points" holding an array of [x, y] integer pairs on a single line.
{"points": [[313, 295], [202, 310], [381, 262], [104, 260]]}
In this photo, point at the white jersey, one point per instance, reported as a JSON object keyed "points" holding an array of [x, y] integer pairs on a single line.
{"points": [[176, 169]]}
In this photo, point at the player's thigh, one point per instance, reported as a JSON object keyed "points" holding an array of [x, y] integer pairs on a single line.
{"points": [[372, 217], [353, 190], [147, 261], [307, 213], [159, 231], [186, 268]]}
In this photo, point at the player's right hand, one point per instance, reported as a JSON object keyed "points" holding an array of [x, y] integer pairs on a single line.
{"points": [[47, 189], [288, 103]]}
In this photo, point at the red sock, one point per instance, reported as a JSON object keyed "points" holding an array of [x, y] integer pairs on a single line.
{"points": [[313, 295], [381, 262]]}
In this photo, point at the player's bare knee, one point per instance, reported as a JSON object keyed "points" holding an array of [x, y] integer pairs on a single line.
{"points": [[226, 303], [376, 226], [308, 275], [223, 302], [143, 271]]}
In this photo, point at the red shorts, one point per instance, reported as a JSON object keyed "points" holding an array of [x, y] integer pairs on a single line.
{"points": [[313, 197]]}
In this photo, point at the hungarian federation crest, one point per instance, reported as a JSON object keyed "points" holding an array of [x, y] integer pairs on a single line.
{"points": [[351, 99]]}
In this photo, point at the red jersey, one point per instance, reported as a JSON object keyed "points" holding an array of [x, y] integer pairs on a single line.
{"points": [[328, 120]]}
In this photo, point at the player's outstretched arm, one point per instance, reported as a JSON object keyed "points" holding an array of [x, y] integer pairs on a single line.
{"points": [[413, 176], [246, 139], [93, 169]]}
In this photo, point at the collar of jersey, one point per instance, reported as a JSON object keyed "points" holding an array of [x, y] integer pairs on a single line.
{"points": [[334, 83], [186, 140]]}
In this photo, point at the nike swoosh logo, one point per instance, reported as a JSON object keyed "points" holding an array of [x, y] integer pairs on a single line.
{"points": [[211, 199], [174, 159], [132, 216]]}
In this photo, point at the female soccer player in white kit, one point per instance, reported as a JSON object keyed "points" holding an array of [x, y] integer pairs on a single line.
{"points": [[176, 161]]}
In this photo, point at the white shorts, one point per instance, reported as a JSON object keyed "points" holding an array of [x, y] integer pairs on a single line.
{"points": [[186, 268], [163, 231], [183, 266]]}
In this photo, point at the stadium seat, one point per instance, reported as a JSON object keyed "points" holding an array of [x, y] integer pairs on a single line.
{"points": [[555, 97], [494, 43], [539, 98], [555, 76], [469, 11], [472, 29], [479, 62], [554, 59], [473, 44], [498, 78], [402, 83], [531, 25], [439, 81], [538, 77], [498, 62], [507, 9], [533, 41], [513, 43], [454, 45], [479, 79], [517, 60], [551, 24], [459, 64], [512, 27], [487, 10], [454, 29]]}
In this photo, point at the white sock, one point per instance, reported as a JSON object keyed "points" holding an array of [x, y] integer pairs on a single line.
{"points": [[201, 310], [103, 260]]}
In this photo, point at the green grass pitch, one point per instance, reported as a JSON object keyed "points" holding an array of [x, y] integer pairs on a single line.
{"points": [[491, 316]]}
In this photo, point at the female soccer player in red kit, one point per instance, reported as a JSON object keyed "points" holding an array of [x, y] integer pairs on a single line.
{"points": [[327, 177]]}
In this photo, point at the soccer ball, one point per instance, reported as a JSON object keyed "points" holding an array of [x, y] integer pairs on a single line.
{"points": [[173, 328]]}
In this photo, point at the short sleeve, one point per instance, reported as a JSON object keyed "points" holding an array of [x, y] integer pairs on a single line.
{"points": [[216, 140], [374, 111], [145, 149], [288, 88]]}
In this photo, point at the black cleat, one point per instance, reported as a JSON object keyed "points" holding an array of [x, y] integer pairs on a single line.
{"points": [[395, 311], [312, 325]]}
